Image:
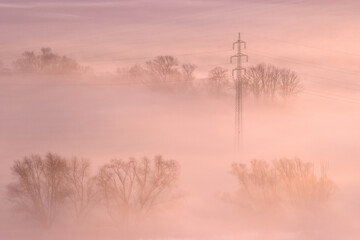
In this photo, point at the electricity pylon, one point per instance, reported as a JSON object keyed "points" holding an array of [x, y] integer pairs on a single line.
{"points": [[239, 92]]}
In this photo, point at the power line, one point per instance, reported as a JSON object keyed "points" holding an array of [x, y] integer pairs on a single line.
{"points": [[346, 85], [307, 46], [198, 16], [323, 66], [332, 97], [121, 83], [277, 57], [184, 19], [177, 55]]}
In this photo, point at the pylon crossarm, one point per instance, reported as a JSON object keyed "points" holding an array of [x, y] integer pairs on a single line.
{"points": [[244, 43], [232, 58], [234, 45], [247, 57]]}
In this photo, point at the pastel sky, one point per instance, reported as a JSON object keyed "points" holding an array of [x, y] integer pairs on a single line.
{"points": [[110, 34], [100, 118]]}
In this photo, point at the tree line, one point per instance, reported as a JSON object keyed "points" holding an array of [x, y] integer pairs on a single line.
{"points": [[44, 185], [163, 72], [262, 82], [45, 62]]}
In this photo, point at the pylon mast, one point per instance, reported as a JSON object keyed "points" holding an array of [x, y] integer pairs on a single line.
{"points": [[239, 91]]}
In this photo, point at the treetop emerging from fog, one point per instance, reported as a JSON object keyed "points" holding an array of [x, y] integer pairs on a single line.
{"points": [[45, 62]]}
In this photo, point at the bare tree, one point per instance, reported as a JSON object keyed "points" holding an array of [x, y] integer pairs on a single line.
{"points": [[40, 186], [270, 81], [133, 187], [300, 183], [267, 82], [28, 63], [188, 77], [218, 80], [46, 62], [289, 84], [53, 63], [262, 81], [284, 182], [162, 68], [188, 71], [134, 73], [259, 186], [82, 192], [161, 73]]}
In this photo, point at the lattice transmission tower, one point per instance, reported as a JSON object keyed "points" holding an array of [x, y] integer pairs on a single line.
{"points": [[239, 91]]}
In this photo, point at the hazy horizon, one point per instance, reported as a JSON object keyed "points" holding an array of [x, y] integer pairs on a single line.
{"points": [[101, 115]]}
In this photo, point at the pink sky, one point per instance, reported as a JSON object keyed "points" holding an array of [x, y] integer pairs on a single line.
{"points": [[317, 39], [105, 34]]}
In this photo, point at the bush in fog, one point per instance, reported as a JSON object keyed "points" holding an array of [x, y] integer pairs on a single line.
{"points": [[135, 73], [268, 82], [44, 184], [133, 187], [46, 62], [284, 182], [40, 188]]}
